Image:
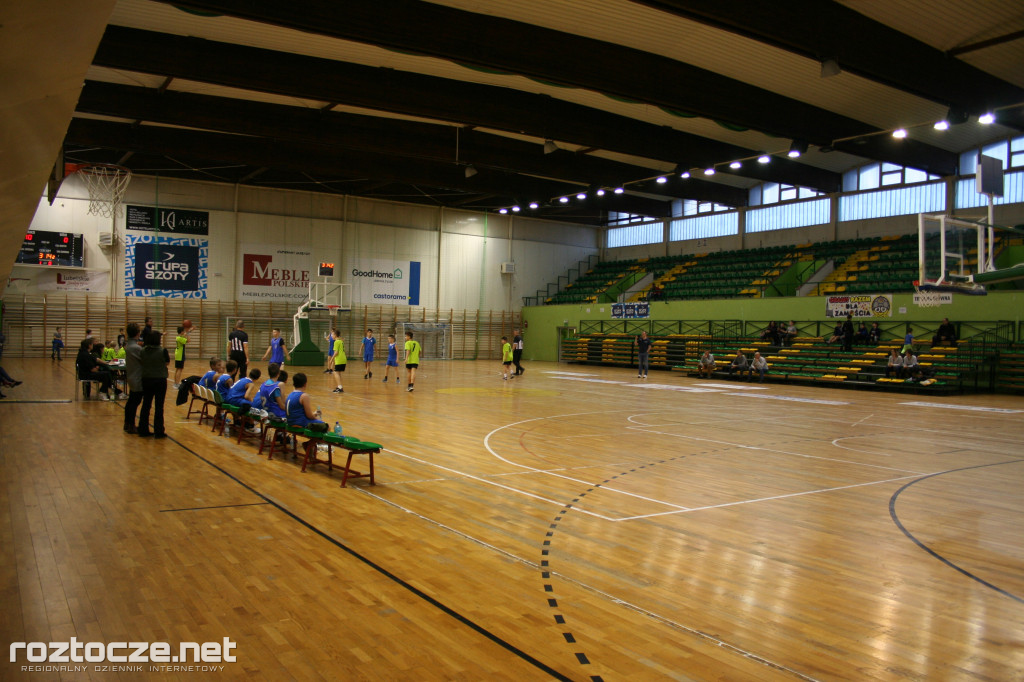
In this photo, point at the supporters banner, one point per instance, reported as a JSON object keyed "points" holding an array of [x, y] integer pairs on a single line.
{"points": [[385, 281], [165, 266], [275, 273], [630, 311], [866, 305]]}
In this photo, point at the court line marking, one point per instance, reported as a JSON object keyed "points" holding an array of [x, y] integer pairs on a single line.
{"points": [[781, 452], [972, 408], [774, 497], [498, 485], [593, 590], [487, 445]]}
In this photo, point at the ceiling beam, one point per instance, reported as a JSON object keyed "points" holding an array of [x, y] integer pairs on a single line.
{"points": [[328, 163], [432, 97], [436, 142], [496, 43], [823, 29]]}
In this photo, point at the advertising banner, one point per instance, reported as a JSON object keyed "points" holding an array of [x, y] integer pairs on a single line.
{"points": [[176, 220], [275, 273], [94, 282], [385, 281], [630, 311], [861, 305], [165, 266]]}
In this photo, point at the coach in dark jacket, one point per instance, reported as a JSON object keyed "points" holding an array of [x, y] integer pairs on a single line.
{"points": [[133, 374], [154, 360]]}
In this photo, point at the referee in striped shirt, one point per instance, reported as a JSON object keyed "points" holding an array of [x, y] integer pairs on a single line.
{"points": [[238, 348]]}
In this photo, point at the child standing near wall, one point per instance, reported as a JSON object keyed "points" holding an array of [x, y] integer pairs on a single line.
{"points": [[506, 358], [412, 359], [57, 345], [330, 350], [369, 345], [340, 360], [179, 354], [392, 359]]}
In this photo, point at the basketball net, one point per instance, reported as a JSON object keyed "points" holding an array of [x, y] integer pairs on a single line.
{"points": [[106, 184]]}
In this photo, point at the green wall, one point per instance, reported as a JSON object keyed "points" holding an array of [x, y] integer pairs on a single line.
{"points": [[541, 336]]}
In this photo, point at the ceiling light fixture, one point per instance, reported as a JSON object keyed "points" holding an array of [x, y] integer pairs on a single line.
{"points": [[515, 209], [581, 196], [502, 211], [797, 148], [709, 171], [764, 158], [619, 190], [563, 200], [685, 175], [661, 180], [942, 125], [470, 171], [829, 68], [987, 119], [550, 146], [599, 192], [899, 133], [534, 205], [735, 165]]}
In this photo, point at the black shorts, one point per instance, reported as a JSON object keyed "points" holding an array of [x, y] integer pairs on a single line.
{"points": [[507, 363], [179, 364], [340, 368], [412, 365]]}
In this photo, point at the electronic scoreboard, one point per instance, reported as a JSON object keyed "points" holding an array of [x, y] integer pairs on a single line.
{"points": [[62, 249]]}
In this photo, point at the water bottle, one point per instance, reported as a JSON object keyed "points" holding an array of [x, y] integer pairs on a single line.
{"points": [[318, 412], [337, 429]]}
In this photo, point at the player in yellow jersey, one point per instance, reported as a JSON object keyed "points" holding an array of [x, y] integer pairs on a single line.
{"points": [[412, 359]]}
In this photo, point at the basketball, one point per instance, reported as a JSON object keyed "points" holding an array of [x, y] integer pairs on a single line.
{"points": [[187, 324]]}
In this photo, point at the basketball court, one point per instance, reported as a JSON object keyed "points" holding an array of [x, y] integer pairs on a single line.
{"points": [[572, 523]]}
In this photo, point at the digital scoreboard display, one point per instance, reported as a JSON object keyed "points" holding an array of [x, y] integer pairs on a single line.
{"points": [[326, 270], [62, 249]]}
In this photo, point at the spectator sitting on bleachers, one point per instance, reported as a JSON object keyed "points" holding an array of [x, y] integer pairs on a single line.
{"points": [[759, 365], [739, 363], [771, 333], [909, 364], [791, 334], [875, 334], [945, 335], [656, 293], [862, 335], [707, 364], [837, 333], [894, 367]]}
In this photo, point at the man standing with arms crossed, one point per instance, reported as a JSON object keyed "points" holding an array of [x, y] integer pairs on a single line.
{"points": [[238, 347], [517, 351], [133, 376]]}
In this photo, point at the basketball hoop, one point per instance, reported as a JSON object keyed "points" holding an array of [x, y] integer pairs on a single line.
{"points": [[106, 184], [332, 310]]}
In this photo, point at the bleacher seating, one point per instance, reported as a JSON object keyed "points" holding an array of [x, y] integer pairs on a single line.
{"points": [[807, 360], [886, 264]]}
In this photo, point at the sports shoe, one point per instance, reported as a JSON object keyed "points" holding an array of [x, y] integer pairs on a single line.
{"points": [[409, 390], [371, 375], [397, 380], [366, 376], [16, 383], [504, 377], [122, 396], [639, 376], [104, 396], [176, 386], [339, 389], [328, 371], [385, 380]]}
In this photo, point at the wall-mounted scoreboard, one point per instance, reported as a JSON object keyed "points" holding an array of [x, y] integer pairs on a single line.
{"points": [[61, 249]]}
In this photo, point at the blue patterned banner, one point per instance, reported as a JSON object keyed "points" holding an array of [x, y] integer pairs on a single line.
{"points": [[165, 266]]}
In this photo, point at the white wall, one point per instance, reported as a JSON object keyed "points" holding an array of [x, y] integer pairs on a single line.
{"points": [[344, 230]]}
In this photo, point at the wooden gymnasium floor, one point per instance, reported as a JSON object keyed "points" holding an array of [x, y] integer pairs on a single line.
{"points": [[575, 523]]}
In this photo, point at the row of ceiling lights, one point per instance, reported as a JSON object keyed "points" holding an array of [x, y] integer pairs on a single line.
{"points": [[797, 148]]}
